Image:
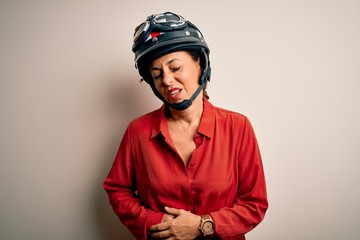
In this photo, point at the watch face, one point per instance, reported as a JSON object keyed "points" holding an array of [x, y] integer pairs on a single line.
{"points": [[208, 227]]}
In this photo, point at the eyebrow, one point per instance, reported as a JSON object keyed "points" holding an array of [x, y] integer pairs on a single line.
{"points": [[168, 63]]}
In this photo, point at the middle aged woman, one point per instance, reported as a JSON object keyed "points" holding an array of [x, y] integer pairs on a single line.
{"points": [[189, 169]]}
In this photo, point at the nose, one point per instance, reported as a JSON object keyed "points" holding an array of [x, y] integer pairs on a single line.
{"points": [[168, 78]]}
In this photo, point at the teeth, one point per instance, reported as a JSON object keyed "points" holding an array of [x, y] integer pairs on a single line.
{"points": [[174, 92]]}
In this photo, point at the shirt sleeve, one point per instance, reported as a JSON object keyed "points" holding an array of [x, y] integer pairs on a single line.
{"points": [[120, 187], [250, 207]]}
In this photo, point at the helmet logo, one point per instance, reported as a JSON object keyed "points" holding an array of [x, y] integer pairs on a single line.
{"points": [[153, 36]]}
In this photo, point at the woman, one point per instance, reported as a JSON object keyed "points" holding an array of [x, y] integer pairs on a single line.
{"points": [[189, 169]]}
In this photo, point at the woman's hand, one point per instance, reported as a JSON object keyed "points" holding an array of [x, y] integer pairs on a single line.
{"points": [[185, 225], [167, 217]]}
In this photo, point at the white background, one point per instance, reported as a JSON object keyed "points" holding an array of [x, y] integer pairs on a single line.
{"points": [[68, 88]]}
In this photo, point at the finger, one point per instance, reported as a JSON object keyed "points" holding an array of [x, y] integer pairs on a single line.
{"points": [[173, 211], [162, 234], [167, 217], [159, 227]]}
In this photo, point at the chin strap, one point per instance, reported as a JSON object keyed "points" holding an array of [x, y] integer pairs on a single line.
{"points": [[186, 103]]}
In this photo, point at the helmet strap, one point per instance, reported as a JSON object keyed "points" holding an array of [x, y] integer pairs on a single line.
{"points": [[179, 106], [186, 103]]}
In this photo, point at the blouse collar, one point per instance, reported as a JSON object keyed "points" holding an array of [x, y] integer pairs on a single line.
{"points": [[206, 126]]}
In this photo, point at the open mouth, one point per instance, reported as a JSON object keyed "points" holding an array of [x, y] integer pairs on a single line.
{"points": [[174, 93]]}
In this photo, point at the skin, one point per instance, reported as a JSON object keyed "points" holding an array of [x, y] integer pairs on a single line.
{"points": [[179, 73], [176, 77], [176, 70], [183, 225]]}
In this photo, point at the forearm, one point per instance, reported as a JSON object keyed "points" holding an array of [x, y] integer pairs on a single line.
{"points": [[245, 214], [238, 220], [137, 218]]}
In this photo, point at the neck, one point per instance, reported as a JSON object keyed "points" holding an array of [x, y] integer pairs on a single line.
{"points": [[191, 115]]}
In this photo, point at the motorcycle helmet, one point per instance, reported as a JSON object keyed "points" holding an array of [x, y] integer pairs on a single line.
{"points": [[164, 33]]}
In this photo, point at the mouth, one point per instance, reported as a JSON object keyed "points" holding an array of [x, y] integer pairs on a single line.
{"points": [[174, 93]]}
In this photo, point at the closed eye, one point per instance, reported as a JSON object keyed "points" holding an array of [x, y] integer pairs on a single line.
{"points": [[157, 76], [175, 69], [156, 73]]}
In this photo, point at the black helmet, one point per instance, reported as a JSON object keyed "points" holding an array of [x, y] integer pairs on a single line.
{"points": [[164, 33]]}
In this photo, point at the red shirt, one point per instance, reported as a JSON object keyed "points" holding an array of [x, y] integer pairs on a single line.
{"points": [[224, 177]]}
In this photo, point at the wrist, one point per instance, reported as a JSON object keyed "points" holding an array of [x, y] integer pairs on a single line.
{"points": [[199, 233], [206, 227]]}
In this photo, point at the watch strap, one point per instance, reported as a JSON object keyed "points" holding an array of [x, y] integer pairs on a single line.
{"points": [[205, 228]]}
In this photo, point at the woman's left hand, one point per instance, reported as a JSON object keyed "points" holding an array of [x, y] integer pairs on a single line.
{"points": [[185, 225]]}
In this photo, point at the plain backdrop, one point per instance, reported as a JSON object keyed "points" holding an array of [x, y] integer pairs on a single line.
{"points": [[68, 89]]}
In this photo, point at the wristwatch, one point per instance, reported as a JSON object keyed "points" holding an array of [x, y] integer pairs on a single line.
{"points": [[206, 225]]}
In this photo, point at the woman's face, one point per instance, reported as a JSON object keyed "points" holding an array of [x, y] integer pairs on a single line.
{"points": [[176, 76]]}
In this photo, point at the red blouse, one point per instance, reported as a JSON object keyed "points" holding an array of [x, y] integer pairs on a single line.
{"points": [[224, 177]]}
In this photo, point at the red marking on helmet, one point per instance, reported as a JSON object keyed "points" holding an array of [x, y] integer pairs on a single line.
{"points": [[154, 34]]}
